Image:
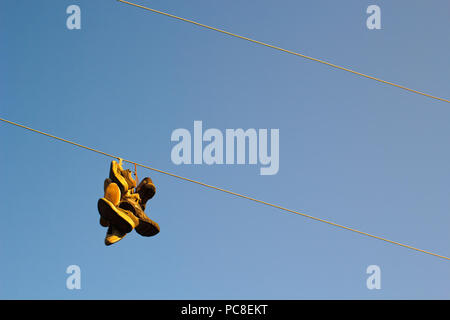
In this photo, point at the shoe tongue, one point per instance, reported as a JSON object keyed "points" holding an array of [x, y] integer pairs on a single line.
{"points": [[129, 178]]}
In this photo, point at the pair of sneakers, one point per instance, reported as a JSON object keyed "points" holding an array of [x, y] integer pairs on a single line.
{"points": [[122, 207]]}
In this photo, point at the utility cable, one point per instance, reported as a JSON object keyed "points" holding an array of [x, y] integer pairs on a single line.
{"points": [[287, 51]]}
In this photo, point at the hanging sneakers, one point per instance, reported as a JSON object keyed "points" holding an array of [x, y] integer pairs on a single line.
{"points": [[113, 235], [146, 227], [122, 219], [146, 190], [122, 207]]}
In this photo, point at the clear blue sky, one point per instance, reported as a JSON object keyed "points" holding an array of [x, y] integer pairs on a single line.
{"points": [[352, 151]]}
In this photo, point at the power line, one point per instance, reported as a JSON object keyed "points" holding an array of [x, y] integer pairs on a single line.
{"points": [[287, 51], [224, 190]]}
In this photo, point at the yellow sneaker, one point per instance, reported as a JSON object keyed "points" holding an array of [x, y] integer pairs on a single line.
{"points": [[146, 227], [122, 219], [112, 194], [115, 173], [146, 190]]}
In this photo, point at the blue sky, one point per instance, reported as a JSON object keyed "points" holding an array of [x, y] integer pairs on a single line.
{"points": [[352, 151]]}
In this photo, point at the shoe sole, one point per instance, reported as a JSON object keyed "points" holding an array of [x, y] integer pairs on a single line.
{"points": [[116, 217], [112, 193], [147, 228], [112, 238]]}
